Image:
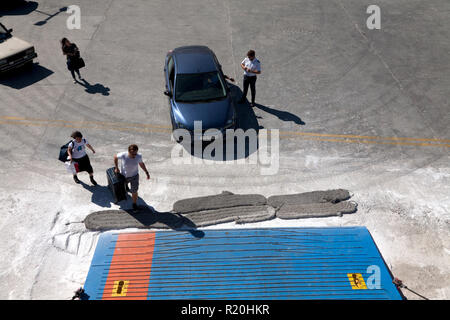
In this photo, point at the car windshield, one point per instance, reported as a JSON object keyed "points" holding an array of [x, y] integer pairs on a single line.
{"points": [[199, 87]]}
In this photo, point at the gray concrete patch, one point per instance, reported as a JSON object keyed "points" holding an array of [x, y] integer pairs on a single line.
{"points": [[224, 200], [313, 204], [227, 207], [315, 210], [242, 214], [122, 219], [332, 196]]}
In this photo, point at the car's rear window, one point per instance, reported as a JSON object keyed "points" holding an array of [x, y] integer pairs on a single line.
{"points": [[199, 87]]}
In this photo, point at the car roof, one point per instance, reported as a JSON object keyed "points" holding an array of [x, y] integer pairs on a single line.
{"points": [[194, 59]]}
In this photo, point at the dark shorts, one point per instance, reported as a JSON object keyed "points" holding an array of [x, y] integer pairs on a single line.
{"points": [[84, 164], [134, 182]]}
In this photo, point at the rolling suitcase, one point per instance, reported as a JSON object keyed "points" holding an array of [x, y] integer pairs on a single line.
{"points": [[116, 183]]}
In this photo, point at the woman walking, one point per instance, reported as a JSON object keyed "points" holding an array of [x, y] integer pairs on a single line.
{"points": [[70, 50], [77, 153]]}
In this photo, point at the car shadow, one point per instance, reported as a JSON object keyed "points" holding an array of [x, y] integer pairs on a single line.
{"points": [[231, 148], [17, 8], [245, 116], [93, 89], [25, 76]]}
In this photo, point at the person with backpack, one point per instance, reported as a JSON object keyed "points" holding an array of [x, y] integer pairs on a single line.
{"points": [[77, 153]]}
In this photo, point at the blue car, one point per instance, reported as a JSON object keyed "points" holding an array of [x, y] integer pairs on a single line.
{"points": [[197, 91]]}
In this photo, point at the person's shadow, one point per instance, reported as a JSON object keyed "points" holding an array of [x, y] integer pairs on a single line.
{"points": [[146, 214], [282, 115], [96, 88], [101, 195], [149, 217]]}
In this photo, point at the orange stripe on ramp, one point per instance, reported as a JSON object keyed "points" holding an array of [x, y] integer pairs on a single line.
{"points": [[129, 273]]}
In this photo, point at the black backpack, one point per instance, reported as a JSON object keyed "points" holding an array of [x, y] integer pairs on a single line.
{"points": [[63, 154]]}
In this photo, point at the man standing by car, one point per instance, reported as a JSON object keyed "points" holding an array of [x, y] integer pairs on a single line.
{"points": [[251, 67], [130, 170]]}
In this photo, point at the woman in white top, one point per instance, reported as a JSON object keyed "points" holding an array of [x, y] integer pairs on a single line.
{"points": [[77, 153]]}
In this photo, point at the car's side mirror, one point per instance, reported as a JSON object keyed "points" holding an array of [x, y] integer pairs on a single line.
{"points": [[10, 30], [168, 93]]}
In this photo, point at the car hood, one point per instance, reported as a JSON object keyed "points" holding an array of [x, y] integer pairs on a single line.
{"points": [[213, 114], [12, 46]]}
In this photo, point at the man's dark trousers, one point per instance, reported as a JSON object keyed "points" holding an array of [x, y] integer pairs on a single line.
{"points": [[249, 80]]}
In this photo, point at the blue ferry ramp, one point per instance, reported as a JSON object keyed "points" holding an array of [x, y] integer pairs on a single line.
{"points": [[251, 264]]}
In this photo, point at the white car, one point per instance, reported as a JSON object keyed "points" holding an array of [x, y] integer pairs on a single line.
{"points": [[14, 52]]}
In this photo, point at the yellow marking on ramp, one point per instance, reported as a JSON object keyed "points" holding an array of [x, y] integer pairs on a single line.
{"points": [[120, 288], [356, 281]]}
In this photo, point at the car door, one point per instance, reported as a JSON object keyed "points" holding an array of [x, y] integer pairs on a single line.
{"points": [[170, 77], [169, 72]]}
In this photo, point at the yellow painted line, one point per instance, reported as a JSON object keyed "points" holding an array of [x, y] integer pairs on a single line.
{"points": [[349, 136], [420, 144], [89, 122], [68, 125], [120, 126]]}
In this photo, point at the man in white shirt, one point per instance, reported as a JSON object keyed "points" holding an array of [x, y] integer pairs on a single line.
{"points": [[130, 170], [251, 67]]}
